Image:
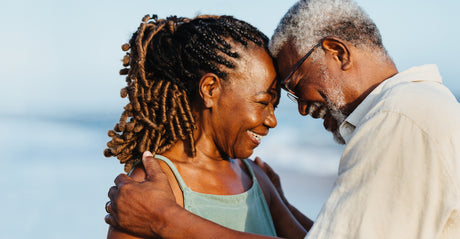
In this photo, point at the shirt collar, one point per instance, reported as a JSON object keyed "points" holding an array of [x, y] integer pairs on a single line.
{"points": [[414, 74]]}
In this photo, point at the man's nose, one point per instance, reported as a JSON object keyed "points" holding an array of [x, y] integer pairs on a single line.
{"points": [[302, 107]]}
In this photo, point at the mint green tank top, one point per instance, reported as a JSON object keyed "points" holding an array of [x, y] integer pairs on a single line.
{"points": [[247, 212]]}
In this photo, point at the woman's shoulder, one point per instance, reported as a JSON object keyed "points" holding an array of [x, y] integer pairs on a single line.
{"points": [[258, 171], [138, 174], [138, 171], [262, 178]]}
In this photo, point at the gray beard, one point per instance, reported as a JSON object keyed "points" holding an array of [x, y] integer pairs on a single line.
{"points": [[338, 138], [339, 117], [335, 112]]}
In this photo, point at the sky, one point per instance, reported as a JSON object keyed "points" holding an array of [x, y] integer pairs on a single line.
{"points": [[63, 57]]}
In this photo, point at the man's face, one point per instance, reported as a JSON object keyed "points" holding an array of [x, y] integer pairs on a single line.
{"points": [[320, 90]]}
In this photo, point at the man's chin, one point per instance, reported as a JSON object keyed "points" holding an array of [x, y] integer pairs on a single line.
{"points": [[336, 134], [337, 118]]}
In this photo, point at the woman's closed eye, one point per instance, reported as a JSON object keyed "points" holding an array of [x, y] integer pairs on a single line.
{"points": [[267, 98], [265, 103]]}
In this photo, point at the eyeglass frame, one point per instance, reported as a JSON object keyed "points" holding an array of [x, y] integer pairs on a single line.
{"points": [[290, 93]]}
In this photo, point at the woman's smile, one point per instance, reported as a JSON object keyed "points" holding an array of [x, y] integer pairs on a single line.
{"points": [[256, 138]]}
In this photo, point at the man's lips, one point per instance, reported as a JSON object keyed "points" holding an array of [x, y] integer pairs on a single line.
{"points": [[317, 110]]}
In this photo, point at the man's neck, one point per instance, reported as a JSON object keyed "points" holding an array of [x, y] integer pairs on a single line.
{"points": [[373, 70]]}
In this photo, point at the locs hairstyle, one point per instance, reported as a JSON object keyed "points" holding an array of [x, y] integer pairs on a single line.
{"points": [[165, 61]]}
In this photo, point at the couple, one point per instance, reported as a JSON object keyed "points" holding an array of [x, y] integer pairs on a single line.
{"points": [[213, 100]]}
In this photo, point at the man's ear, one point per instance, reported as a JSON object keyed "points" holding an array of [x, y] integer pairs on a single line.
{"points": [[339, 50], [210, 88]]}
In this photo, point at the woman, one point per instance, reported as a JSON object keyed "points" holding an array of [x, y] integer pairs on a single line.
{"points": [[202, 95]]}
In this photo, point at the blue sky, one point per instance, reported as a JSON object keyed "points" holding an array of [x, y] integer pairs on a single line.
{"points": [[65, 55]]}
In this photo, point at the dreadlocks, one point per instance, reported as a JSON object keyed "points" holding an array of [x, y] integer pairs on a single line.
{"points": [[164, 62]]}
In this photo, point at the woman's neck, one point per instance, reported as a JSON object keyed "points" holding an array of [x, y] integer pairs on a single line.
{"points": [[206, 152], [207, 172]]}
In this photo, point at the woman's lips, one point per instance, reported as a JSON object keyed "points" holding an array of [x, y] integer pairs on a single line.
{"points": [[256, 138]]}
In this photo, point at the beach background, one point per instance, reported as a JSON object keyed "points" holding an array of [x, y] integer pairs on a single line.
{"points": [[60, 94]]}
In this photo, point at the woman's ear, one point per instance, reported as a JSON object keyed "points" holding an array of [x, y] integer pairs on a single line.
{"points": [[339, 50], [210, 88]]}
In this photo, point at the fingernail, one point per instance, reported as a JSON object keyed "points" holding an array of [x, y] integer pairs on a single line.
{"points": [[147, 154]]}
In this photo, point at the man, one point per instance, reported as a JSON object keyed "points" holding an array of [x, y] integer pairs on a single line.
{"points": [[399, 175]]}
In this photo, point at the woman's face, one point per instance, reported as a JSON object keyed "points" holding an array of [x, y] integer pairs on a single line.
{"points": [[244, 112]]}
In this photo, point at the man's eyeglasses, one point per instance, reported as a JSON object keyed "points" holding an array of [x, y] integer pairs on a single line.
{"points": [[284, 84]]}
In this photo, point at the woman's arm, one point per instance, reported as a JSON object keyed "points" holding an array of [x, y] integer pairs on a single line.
{"points": [[285, 222]]}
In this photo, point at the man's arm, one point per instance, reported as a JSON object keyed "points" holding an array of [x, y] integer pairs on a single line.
{"points": [[149, 209]]}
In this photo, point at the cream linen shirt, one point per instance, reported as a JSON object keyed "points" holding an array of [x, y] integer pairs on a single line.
{"points": [[399, 175]]}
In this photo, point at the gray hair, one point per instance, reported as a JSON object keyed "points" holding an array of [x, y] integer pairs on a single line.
{"points": [[309, 21]]}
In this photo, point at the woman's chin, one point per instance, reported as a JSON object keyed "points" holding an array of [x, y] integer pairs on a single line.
{"points": [[243, 155]]}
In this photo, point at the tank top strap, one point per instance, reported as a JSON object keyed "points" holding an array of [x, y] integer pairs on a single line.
{"points": [[176, 173], [251, 172], [181, 182]]}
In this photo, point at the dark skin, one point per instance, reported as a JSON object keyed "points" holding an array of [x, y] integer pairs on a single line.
{"points": [[359, 71], [158, 192], [227, 116]]}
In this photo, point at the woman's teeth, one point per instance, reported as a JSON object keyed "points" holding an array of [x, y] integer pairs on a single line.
{"points": [[258, 137]]}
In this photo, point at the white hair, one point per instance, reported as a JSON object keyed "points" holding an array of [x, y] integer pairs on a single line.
{"points": [[309, 21]]}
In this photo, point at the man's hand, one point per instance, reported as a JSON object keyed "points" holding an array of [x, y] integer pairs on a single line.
{"points": [[137, 207]]}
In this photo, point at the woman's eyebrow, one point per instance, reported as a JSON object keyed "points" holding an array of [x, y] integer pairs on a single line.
{"points": [[269, 92], [273, 92]]}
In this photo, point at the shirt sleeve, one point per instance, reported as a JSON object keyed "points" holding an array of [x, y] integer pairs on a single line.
{"points": [[390, 184]]}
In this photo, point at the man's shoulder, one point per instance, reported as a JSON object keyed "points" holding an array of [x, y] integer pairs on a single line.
{"points": [[430, 105], [418, 98]]}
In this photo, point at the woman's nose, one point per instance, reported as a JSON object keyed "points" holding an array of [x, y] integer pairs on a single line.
{"points": [[271, 120]]}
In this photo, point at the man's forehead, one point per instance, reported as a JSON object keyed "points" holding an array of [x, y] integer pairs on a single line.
{"points": [[287, 58]]}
